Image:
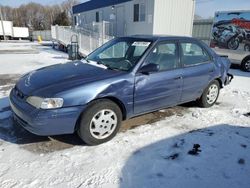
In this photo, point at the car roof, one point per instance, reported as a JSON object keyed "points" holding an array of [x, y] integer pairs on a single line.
{"points": [[159, 37]]}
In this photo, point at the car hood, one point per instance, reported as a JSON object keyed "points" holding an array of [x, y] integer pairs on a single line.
{"points": [[52, 79]]}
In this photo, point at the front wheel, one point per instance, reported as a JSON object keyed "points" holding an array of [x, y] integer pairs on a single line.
{"points": [[100, 122], [210, 95]]}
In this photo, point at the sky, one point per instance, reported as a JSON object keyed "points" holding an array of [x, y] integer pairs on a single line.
{"points": [[204, 8], [16, 3], [207, 8]]}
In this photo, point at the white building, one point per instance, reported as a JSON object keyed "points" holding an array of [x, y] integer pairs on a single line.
{"points": [[130, 17]]}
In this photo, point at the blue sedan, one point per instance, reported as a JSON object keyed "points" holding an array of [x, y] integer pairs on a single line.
{"points": [[124, 78]]}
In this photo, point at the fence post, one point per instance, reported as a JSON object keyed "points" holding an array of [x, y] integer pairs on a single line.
{"points": [[90, 42], [103, 31], [56, 28], [79, 40]]}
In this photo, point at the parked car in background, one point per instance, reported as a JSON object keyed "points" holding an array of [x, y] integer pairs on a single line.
{"points": [[124, 78], [231, 36], [237, 57]]}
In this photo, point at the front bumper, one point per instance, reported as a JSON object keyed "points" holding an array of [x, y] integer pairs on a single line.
{"points": [[44, 122]]}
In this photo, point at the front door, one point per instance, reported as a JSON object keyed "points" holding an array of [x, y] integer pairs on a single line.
{"points": [[120, 24], [163, 88]]}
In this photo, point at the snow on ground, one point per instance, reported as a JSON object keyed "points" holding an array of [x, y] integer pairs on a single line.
{"points": [[159, 154], [19, 58]]}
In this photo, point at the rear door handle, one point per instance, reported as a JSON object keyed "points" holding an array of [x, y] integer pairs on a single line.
{"points": [[178, 78], [212, 70]]}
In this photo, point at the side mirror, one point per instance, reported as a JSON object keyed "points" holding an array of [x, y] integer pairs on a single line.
{"points": [[149, 68]]}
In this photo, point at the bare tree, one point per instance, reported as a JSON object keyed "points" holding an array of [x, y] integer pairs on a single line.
{"points": [[197, 17], [37, 16], [67, 7]]}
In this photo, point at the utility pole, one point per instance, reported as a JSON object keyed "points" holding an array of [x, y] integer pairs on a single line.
{"points": [[1, 17]]}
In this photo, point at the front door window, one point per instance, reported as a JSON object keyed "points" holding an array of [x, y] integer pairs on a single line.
{"points": [[165, 55]]}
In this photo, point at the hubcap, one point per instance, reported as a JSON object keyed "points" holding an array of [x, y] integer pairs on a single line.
{"points": [[103, 124], [247, 65], [212, 94]]}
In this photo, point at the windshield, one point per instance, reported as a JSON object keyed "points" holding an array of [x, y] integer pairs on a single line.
{"points": [[120, 54]]}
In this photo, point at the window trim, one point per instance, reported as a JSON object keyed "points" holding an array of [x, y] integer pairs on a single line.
{"points": [[197, 64], [144, 4], [97, 16], [76, 20], [136, 15], [139, 12]]}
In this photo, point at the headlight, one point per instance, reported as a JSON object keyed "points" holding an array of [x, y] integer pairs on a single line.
{"points": [[45, 103], [35, 101]]}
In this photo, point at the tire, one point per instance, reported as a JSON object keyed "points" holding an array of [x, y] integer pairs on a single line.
{"points": [[233, 44], [100, 116], [204, 101], [245, 65]]}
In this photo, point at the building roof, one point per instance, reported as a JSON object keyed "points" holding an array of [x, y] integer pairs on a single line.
{"points": [[95, 4]]}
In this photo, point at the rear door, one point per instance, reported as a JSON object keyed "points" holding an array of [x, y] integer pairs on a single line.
{"points": [[163, 88], [198, 69]]}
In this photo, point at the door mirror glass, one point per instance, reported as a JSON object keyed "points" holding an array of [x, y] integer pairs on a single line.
{"points": [[149, 68]]}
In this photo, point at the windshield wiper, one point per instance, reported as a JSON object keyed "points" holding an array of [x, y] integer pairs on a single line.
{"points": [[112, 68], [101, 63], [108, 66]]}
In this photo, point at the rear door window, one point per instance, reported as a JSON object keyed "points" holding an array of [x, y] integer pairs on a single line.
{"points": [[193, 54]]}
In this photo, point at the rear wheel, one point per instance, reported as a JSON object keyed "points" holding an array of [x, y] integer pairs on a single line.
{"points": [[100, 122], [245, 65], [210, 95]]}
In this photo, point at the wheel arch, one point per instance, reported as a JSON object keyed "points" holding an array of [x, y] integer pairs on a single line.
{"points": [[115, 100], [220, 82], [119, 103]]}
